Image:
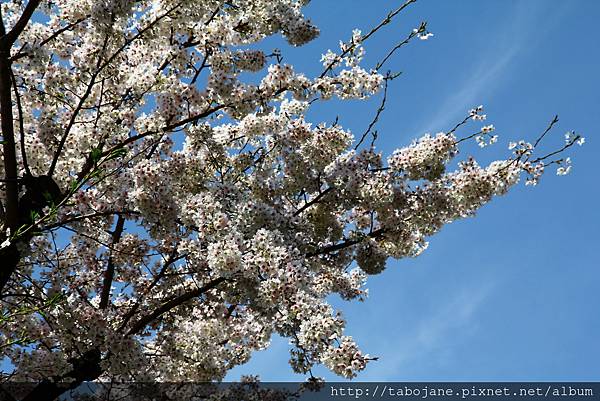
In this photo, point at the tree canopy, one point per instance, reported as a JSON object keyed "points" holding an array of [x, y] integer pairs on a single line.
{"points": [[167, 207]]}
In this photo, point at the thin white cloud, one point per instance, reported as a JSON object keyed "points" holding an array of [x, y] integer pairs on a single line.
{"points": [[428, 340], [521, 32], [481, 80]]}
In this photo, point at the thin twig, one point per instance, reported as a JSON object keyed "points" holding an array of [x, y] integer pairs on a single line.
{"points": [[21, 128], [352, 45], [377, 114]]}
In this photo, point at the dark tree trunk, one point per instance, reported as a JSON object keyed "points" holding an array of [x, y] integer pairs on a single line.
{"points": [[85, 368]]}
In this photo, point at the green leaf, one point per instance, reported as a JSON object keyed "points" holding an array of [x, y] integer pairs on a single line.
{"points": [[117, 153], [95, 155], [33, 215], [95, 173]]}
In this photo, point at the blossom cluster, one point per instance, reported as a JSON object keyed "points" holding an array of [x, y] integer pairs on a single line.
{"points": [[202, 212], [425, 158]]}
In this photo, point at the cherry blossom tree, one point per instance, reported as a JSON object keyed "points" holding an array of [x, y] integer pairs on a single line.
{"points": [[163, 215]]}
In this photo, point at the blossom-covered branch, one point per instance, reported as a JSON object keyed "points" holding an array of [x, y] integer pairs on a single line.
{"points": [[163, 215]]}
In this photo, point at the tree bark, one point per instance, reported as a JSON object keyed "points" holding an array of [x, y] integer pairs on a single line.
{"points": [[9, 255], [85, 368], [8, 141]]}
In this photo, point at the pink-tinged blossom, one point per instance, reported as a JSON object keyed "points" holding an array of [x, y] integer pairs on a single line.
{"points": [[200, 211]]}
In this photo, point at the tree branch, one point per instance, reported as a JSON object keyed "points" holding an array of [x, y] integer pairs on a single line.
{"points": [[79, 107], [93, 215], [89, 164], [86, 367], [377, 114], [550, 125], [172, 259], [313, 201], [110, 268], [400, 44], [345, 244], [172, 304], [8, 143], [352, 45], [21, 128], [10, 38]]}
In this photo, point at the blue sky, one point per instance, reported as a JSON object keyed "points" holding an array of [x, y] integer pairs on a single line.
{"points": [[513, 293]]}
